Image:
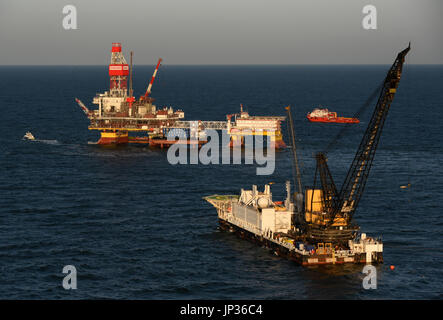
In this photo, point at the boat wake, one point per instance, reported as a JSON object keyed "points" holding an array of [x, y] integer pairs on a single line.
{"points": [[30, 137], [47, 141], [44, 141]]}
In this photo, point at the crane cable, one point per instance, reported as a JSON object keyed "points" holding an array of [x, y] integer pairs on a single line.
{"points": [[359, 112], [408, 98], [295, 166], [288, 134]]}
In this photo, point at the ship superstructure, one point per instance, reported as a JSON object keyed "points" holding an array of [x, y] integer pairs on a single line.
{"points": [[314, 225], [240, 125]]}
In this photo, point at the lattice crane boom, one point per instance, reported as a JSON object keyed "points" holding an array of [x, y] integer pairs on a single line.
{"points": [[354, 184]]}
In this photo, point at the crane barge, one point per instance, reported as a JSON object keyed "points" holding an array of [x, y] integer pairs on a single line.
{"points": [[315, 225]]}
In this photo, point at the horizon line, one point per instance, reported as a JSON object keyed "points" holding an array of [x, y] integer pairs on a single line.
{"points": [[220, 65]]}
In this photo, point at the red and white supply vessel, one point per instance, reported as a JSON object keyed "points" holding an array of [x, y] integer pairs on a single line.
{"points": [[324, 115]]}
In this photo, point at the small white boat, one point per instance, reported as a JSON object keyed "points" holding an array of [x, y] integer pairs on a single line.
{"points": [[29, 136]]}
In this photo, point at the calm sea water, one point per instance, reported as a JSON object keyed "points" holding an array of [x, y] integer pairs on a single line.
{"points": [[136, 227]]}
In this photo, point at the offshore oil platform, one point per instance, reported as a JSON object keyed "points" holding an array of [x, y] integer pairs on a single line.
{"points": [[315, 226], [119, 113]]}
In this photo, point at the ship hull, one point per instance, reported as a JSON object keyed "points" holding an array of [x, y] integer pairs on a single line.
{"points": [[113, 138], [304, 260], [120, 138], [275, 139], [279, 144], [165, 143], [333, 120]]}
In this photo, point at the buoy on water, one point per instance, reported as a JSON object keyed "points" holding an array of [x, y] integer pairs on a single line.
{"points": [[392, 267]]}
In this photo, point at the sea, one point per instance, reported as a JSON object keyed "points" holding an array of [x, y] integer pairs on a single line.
{"points": [[135, 226]]}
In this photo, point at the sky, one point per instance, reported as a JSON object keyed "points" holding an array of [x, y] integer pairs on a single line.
{"points": [[200, 32]]}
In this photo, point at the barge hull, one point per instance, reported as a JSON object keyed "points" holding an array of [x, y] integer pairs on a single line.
{"points": [[111, 138], [304, 260]]}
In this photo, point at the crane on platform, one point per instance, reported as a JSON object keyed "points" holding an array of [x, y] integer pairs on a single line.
{"points": [[82, 106], [338, 207], [148, 90]]}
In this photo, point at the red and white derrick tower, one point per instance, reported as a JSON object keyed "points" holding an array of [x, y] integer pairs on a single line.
{"points": [[118, 72]]}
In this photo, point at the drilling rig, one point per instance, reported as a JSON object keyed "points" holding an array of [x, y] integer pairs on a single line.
{"points": [[120, 113], [329, 212]]}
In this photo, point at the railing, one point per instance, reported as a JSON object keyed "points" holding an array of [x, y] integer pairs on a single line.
{"points": [[214, 125]]}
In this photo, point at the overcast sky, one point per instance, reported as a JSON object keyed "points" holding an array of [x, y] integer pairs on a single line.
{"points": [[220, 31]]}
